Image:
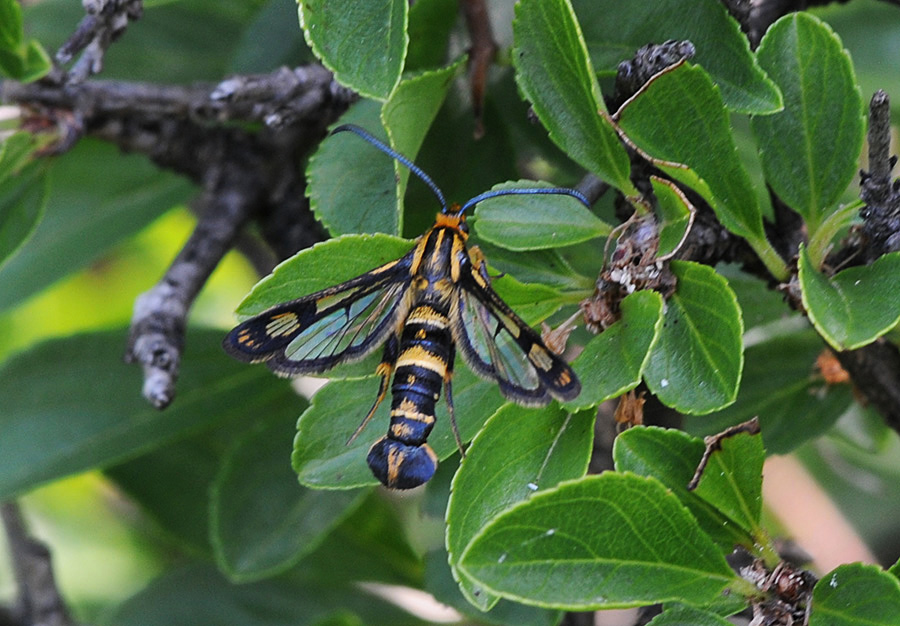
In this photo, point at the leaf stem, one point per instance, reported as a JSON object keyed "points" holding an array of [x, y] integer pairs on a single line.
{"points": [[820, 238], [770, 258]]}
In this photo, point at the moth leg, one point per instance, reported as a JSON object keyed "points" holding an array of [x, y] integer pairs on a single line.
{"points": [[448, 393], [384, 369]]}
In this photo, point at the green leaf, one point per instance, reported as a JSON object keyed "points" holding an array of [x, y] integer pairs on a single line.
{"points": [[269, 40], [352, 188], [439, 582], [856, 595], [324, 265], [533, 302], [362, 41], [587, 544], [810, 150], [22, 201], [322, 458], [687, 616], [895, 569], [535, 222], [82, 219], [169, 32], [854, 307], [11, 33], [369, 545], [518, 452], [779, 386], [71, 405], [721, 48], [536, 266], [408, 115], [675, 213], [36, 62], [680, 118], [672, 457], [197, 594], [430, 25], [15, 152], [696, 364], [613, 361], [732, 480], [554, 72], [19, 59], [192, 464], [261, 521]]}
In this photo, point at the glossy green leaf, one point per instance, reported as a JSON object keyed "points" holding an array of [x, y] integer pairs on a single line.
{"points": [[687, 616], [352, 188], [810, 150], [613, 361], [675, 215], [82, 219], [856, 306], [518, 452], [22, 201], [534, 222], [198, 594], [895, 569], [680, 118], [672, 457], [71, 404], [322, 458], [696, 364], [262, 522], [324, 265], [554, 72], [856, 595], [721, 48], [781, 387], [362, 41], [732, 480], [588, 544]]}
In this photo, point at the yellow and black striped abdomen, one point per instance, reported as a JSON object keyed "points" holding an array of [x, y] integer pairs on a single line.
{"points": [[402, 459]]}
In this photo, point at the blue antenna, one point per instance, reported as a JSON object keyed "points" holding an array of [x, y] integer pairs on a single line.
{"points": [[415, 169], [525, 191]]}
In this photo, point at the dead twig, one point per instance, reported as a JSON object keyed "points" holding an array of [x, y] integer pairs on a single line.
{"points": [[38, 600]]}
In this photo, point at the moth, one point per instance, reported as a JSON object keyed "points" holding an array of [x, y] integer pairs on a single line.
{"points": [[421, 309]]}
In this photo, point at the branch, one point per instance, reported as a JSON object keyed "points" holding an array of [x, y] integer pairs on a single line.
{"points": [[105, 22], [39, 601], [881, 215], [246, 173], [481, 55], [160, 315]]}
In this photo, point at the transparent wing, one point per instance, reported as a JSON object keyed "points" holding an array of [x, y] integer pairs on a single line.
{"points": [[498, 345], [340, 324]]}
